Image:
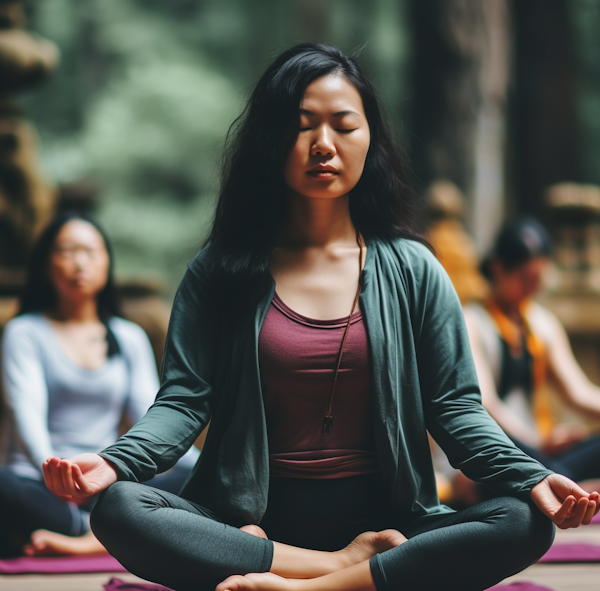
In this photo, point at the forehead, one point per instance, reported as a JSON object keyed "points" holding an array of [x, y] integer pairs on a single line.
{"points": [[333, 93], [79, 231]]}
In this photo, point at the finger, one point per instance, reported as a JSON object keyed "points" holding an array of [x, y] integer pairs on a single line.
{"points": [[67, 477], [564, 511], [577, 514], [589, 513], [595, 496], [83, 485], [55, 478]]}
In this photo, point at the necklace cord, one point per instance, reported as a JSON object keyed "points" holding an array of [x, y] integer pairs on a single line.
{"points": [[328, 419]]}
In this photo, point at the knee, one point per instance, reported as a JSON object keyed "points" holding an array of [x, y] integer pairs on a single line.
{"points": [[533, 531], [112, 508]]}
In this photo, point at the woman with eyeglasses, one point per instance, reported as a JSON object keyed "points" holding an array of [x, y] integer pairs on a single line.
{"points": [[71, 367]]}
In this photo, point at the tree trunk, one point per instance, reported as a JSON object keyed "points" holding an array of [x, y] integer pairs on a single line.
{"points": [[462, 57], [545, 138]]}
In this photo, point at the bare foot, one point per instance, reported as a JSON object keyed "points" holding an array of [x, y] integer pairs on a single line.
{"points": [[254, 530], [48, 543], [255, 582], [368, 544]]}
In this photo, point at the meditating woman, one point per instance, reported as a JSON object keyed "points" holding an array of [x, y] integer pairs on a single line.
{"points": [[71, 368], [519, 347], [322, 339]]}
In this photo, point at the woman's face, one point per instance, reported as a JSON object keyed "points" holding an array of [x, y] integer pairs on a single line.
{"points": [[516, 285], [329, 155], [79, 262]]}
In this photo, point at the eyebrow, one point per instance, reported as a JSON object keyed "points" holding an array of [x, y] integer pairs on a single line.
{"points": [[338, 114]]}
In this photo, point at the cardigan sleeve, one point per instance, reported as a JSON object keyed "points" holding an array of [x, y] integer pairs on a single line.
{"points": [[454, 415], [183, 404]]}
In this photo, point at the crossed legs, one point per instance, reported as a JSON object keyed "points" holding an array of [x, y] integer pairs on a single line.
{"points": [[169, 540]]}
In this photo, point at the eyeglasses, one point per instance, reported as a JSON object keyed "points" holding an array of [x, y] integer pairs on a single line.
{"points": [[69, 252]]}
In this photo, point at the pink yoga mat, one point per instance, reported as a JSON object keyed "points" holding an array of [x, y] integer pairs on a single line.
{"points": [[119, 585], [100, 563], [520, 586], [572, 553], [596, 519]]}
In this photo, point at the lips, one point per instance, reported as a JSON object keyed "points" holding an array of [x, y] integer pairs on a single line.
{"points": [[322, 172]]}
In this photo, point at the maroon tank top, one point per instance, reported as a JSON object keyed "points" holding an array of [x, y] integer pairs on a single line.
{"points": [[297, 357]]}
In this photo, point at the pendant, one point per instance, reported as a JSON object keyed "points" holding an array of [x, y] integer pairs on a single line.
{"points": [[327, 424]]}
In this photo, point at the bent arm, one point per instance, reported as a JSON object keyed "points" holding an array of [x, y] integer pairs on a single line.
{"points": [[500, 412], [26, 392], [573, 384], [183, 403], [455, 417]]}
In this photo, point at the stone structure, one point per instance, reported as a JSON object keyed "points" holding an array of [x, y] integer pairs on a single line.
{"points": [[26, 201]]}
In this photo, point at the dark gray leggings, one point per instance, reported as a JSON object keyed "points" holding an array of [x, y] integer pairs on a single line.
{"points": [[166, 539]]}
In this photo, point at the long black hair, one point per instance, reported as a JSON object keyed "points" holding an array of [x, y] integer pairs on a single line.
{"points": [[518, 242], [39, 294], [252, 205]]}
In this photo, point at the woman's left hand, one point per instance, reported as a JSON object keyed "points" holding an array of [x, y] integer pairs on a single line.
{"points": [[564, 502]]}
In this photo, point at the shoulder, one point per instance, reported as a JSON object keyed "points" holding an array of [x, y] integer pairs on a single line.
{"points": [[198, 266], [129, 334], [25, 337], [412, 264], [480, 324], [30, 326], [404, 249], [408, 256], [477, 314], [542, 321]]}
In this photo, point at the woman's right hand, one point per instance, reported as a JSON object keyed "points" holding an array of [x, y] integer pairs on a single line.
{"points": [[79, 477]]}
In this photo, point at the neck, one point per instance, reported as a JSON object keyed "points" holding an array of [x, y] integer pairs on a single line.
{"points": [[316, 222], [84, 310], [509, 308]]}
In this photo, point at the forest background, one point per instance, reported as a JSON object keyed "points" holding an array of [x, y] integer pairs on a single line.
{"points": [[137, 110]]}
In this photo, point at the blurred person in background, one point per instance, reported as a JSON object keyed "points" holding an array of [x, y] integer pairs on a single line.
{"points": [[315, 270], [71, 368], [519, 347]]}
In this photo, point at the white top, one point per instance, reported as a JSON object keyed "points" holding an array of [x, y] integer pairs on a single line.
{"points": [[484, 334], [58, 408]]}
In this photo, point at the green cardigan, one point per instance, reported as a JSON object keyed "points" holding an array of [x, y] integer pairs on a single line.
{"points": [[422, 378]]}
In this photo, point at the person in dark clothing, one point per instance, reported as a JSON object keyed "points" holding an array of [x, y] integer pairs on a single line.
{"points": [[322, 340]]}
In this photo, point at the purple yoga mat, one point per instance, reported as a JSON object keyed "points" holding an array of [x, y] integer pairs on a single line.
{"points": [[119, 585], [99, 563], [572, 553], [520, 586]]}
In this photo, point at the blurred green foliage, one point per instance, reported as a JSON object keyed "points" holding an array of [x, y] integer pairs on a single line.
{"points": [[147, 89], [586, 21]]}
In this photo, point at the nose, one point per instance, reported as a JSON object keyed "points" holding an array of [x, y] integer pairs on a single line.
{"points": [[323, 144], [82, 258]]}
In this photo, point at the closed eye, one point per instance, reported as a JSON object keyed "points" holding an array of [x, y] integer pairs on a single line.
{"points": [[346, 130]]}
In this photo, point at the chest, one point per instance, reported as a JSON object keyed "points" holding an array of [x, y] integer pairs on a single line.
{"points": [[85, 346], [318, 285]]}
